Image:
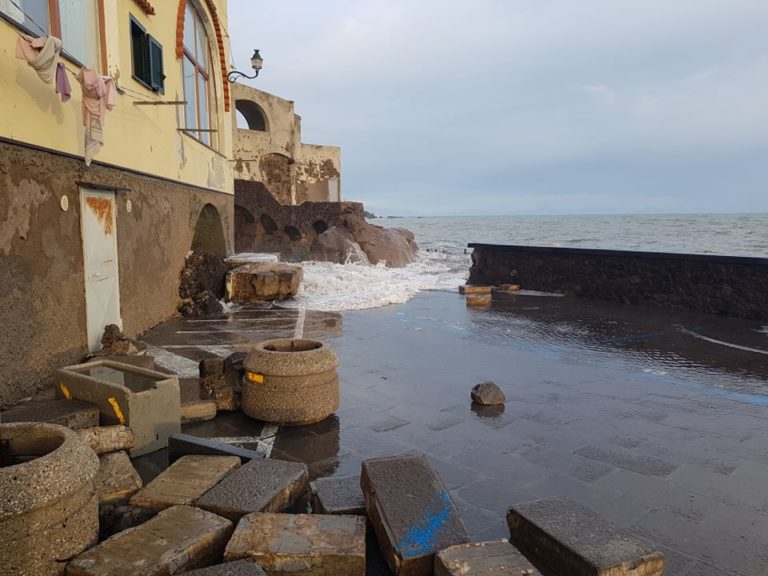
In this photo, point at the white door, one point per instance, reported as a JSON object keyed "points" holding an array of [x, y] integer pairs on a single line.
{"points": [[102, 285]]}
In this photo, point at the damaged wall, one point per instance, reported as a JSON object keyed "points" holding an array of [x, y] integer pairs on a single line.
{"points": [[41, 256]]}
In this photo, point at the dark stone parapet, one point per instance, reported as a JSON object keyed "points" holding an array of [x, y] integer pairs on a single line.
{"points": [[726, 285]]}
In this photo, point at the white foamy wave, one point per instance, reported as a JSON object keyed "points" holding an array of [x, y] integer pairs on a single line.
{"points": [[334, 287]]}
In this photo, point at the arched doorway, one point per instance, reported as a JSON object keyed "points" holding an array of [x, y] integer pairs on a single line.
{"points": [[209, 233]]}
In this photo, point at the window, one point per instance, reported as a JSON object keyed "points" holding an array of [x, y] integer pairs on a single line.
{"points": [[76, 22], [147, 58], [195, 68]]}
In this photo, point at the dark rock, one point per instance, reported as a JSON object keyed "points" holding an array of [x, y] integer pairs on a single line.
{"points": [[202, 271], [221, 380], [114, 342], [338, 245], [114, 518], [201, 304], [488, 394]]}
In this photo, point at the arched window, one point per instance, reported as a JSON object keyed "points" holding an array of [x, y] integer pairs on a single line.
{"points": [[197, 67], [253, 115]]}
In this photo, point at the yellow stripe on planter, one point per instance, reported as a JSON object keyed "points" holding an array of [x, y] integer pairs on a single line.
{"points": [[253, 377], [116, 408], [65, 391]]}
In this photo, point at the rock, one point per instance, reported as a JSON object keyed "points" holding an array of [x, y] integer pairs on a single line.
{"points": [[221, 380], [483, 559], [338, 245], [301, 544], [117, 479], [103, 439], [73, 414], [201, 304], [395, 246], [487, 394], [263, 282], [200, 411], [202, 272], [115, 343], [338, 496], [236, 568], [114, 518]]}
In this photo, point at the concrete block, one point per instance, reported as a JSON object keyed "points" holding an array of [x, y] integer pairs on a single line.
{"points": [[338, 496], [474, 290], [103, 439], [265, 485], [411, 512], [117, 479], [569, 539], [146, 401], [200, 411], [236, 568], [483, 559], [185, 481], [301, 544], [183, 444], [263, 282], [479, 301], [73, 414], [176, 540]]}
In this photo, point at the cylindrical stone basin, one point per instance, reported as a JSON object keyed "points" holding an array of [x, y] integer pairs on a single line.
{"points": [[49, 509], [291, 381]]}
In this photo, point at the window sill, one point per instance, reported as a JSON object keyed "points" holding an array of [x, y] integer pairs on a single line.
{"points": [[188, 134]]}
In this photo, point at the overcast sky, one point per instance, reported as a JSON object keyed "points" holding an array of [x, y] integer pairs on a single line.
{"points": [[525, 106]]}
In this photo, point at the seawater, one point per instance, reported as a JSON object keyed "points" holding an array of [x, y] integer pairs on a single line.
{"points": [[444, 259]]}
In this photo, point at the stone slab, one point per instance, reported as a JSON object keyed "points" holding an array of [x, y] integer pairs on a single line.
{"points": [[185, 481], [184, 444], [412, 513], [103, 439], [74, 414], [259, 282], [266, 485], [301, 544], [176, 540], [117, 479], [570, 539], [474, 289], [236, 568], [338, 496], [483, 559], [200, 411]]}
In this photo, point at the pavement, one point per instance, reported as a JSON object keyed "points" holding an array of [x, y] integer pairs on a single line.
{"points": [[656, 420]]}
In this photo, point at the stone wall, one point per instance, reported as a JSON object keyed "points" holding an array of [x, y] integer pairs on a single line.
{"points": [[42, 301], [724, 285]]}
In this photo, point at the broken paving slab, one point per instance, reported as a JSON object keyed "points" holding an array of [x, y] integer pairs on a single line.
{"points": [[266, 485], [117, 479], [176, 540], [74, 414], [104, 439], [568, 538], [412, 513], [338, 496], [185, 481], [483, 559], [180, 445], [236, 568], [199, 411], [301, 544]]}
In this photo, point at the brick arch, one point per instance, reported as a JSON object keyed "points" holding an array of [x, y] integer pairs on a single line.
{"points": [[219, 43]]}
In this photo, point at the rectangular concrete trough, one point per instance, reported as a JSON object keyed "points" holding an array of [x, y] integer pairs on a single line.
{"points": [[147, 401]]}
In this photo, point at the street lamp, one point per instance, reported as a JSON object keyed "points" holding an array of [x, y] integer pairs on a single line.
{"points": [[256, 63]]}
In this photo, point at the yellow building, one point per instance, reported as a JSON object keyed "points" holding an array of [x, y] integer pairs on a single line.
{"points": [[82, 246]]}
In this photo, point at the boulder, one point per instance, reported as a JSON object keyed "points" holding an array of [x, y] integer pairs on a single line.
{"points": [[395, 246], [488, 394], [338, 245], [201, 285], [263, 282]]}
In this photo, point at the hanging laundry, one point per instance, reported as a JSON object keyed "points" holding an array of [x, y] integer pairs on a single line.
{"points": [[62, 83], [99, 95], [42, 54]]}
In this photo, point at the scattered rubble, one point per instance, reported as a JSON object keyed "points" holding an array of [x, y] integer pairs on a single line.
{"points": [[115, 343], [221, 380], [487, 394], [117, 479], [263, 282], [483, 559], [201, 285]]}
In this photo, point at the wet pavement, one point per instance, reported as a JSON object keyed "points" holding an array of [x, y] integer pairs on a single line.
{"points": [[655, 419]]}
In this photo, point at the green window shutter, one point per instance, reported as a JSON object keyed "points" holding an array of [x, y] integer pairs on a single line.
{"points": [[139, 51], [156, 76]]}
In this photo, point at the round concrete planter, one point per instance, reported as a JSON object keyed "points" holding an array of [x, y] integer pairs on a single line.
{"points": [[49, 510], [290, 381]]}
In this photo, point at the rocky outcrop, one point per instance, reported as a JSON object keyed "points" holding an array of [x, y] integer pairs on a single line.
{"points": [[338, 245], [201, 285]]}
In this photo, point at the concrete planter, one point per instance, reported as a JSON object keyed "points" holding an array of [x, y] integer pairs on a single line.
{"points": [[48, 505], [292, 382]]}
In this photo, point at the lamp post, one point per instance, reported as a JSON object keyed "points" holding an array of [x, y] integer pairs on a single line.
{"points": [[256, 63]]}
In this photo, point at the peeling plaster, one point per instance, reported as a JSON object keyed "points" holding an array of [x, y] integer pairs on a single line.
{"points": [[28, 195]]}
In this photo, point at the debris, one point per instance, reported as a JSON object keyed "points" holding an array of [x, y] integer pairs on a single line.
{"points": [[412, 513], [266, 485], [103, 439], [221, 380], [183, 444], [487, 394], [201, 285], [237, 568], [476, 290], [301, 544], [338, 496], [73, 414], [260, 282], [483, 559], [185, 481], [116, 479], [114, 342], [570, 539], [200, 411], [176, 540]]}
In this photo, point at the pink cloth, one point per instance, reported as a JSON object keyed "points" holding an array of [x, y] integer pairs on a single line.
{"points": [[62, 83], [42, 54], [99, 95]]}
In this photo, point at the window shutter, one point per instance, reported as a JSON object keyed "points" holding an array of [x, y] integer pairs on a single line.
{"points": [[156, 76]]}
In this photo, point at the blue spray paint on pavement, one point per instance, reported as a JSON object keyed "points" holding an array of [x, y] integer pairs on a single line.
{"points": [[420, 539]]}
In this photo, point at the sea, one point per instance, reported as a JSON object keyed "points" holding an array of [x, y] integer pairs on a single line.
{"points": [[444, 259]]}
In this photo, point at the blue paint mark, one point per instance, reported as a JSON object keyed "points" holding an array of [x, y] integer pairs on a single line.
{"points": [[420, 539]]}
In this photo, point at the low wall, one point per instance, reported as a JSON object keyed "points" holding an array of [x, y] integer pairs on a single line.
{"points": [[724, 285]]}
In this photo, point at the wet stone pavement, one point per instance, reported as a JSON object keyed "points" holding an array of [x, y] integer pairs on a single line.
{"points": [[656, 420]]}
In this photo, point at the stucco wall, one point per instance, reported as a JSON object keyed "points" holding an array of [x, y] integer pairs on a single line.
{"points": [[318, 174], [42, 301], [724, 285]]}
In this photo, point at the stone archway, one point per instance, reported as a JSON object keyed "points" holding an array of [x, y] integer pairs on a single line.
{"points": [[209, 233], [246, 229]]}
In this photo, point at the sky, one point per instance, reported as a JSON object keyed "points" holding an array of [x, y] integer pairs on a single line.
{"points": [[525, 106]]}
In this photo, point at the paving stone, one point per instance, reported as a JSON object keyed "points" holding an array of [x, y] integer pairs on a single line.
{"points": [[236, 568], [483, 559], [185, 481], [301, 544], [636, 463], [570, 539], [176, 540], [184, 444], [411, 511], [338, 495], [117, 479], [266, 485], [74, 414]]}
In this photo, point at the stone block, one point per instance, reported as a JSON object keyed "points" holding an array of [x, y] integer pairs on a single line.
{"points": [[483, 559], [185, 481], [201, 411], [263, 282], [567, 538], [146, 401], [265, 485], [236, 568], [338, 496], [117, 479], [508, 288], [184, 444], [73, 414], [103, 439], [301, 544], [411, 512], [479, 301], [176, 540], [480, 290]]}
